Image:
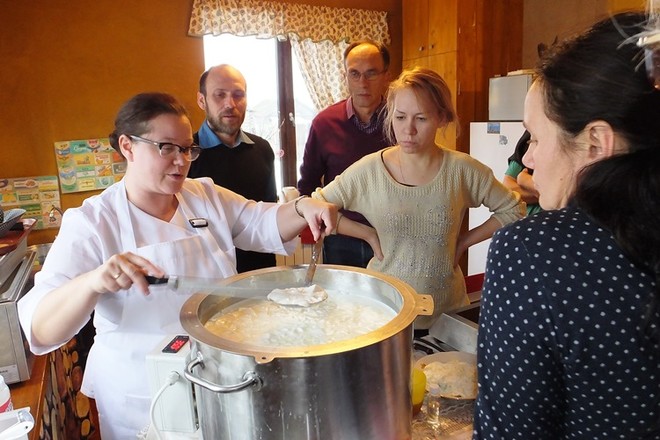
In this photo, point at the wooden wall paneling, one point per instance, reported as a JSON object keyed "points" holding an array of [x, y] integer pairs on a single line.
{"points": [[69, 64], [415, 62], [626, 5], [486, 54], [502, 24], [445, 64], [468, 65], [442, 30], [544, 20], [499, 42], [415, 28], [302, 255]]}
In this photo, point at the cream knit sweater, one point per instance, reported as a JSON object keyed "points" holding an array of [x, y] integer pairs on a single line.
{"points": [[418, 227]]}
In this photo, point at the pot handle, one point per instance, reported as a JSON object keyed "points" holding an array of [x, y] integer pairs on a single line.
{"points": [[249, 378]]}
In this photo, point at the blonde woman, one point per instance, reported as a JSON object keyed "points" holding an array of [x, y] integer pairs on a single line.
{"points": [[416, 195]]}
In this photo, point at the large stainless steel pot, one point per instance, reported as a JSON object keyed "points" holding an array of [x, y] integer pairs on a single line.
{"points": [[356, 389]]}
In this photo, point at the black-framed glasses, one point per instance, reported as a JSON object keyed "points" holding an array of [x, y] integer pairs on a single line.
{"points": [[369, 75], [167, 148]]}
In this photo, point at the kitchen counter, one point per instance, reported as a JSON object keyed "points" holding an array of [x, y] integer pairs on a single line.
{"points": [[53, 394], [454, 423]]}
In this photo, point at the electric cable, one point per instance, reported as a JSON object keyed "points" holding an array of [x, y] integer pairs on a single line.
{"points": [[172, 378]]}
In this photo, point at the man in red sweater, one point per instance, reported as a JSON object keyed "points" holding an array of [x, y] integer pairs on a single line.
{"points": [[345, 132]]}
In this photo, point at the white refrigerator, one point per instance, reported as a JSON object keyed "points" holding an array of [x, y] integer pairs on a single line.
{"points": [[490, 143]]}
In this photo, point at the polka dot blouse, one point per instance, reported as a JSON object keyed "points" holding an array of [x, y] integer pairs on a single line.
{"points": [[560, 354]]}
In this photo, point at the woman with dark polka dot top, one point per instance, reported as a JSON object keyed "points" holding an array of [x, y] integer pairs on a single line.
{"points": [[569, 333]]}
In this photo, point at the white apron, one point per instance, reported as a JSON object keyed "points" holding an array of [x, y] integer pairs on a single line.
{"points": [[115, 374]]}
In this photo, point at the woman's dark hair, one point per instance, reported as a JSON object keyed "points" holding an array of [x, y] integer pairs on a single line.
{"points": [[136, 114], [600, 75]]}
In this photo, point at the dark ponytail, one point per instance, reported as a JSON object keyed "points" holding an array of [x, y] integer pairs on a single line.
{"points": [[622, 194]]}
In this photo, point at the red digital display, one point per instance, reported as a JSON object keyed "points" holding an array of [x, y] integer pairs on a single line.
{"points": [[176, 344]]}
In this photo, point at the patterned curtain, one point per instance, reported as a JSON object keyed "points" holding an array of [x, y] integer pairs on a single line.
{"points": [[318, 35], [322, 68]]}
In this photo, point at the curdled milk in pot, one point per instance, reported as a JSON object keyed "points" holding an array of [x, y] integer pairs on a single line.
{"points": [[340, 317]]}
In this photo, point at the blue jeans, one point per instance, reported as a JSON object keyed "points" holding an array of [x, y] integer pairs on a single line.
{"points": [[347, 251]]}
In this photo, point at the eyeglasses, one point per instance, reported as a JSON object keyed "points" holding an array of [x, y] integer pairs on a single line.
{"points": [[167, 148], [369, 75]]}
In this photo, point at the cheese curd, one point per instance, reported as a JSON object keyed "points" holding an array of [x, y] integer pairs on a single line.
{"points": [[340, 317], [298, 296], [452, 379]]}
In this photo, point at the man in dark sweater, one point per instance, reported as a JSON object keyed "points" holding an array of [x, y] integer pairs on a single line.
{"points": [[345, 132], [234, 159]]}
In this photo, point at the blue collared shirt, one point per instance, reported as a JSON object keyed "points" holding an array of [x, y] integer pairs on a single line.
{"points": [[208, 139], [369, 127]]}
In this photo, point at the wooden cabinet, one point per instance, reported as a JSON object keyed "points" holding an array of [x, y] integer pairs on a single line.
{"points": [[428, 27], [415, 28], [442, 16], [467, 42]]}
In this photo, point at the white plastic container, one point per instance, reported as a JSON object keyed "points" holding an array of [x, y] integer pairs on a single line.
{"points": [[5, 397], [15, 425]]}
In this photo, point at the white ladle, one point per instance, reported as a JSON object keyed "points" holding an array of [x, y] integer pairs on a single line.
{"points": [[306, 295]]}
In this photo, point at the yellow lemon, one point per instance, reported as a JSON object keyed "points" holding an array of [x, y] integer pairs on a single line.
{"points": [[418, 389]]}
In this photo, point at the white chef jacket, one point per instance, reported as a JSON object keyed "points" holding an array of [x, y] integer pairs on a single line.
{"points": [[129, 324]]}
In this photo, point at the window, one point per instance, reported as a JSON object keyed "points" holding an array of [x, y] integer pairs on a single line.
{"points": [[276, 111]]}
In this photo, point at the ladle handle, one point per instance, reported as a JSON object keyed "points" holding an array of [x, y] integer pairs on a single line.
{"points": [[311, 270]]}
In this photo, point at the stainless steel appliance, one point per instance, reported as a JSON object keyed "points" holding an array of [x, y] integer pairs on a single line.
{"points": [[354, 389], [15, 357], [506, 96], [458, 328]]}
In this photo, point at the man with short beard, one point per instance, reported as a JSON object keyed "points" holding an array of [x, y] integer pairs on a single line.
{"points": [[234, 159]]}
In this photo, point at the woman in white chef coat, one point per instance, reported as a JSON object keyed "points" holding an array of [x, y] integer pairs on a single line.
{"points": [[142, 225]]}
